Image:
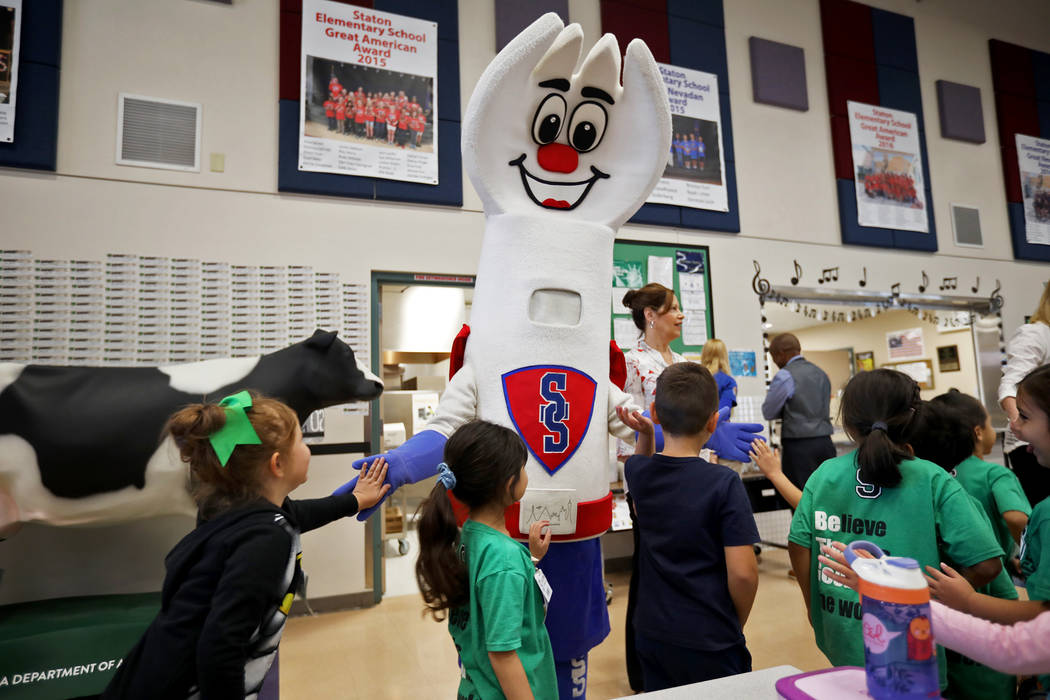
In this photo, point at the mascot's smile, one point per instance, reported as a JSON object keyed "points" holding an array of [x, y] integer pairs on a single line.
{"points": [[551, 194]]}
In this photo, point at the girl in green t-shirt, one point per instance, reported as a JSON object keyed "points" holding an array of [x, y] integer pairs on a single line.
{"points": [[1033, 426], [481, 579], [943, 435], [881, 493], [993, 485]]}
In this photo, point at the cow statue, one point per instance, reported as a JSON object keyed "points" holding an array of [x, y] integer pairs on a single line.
{"points": [[82, 445], [561, 156]]}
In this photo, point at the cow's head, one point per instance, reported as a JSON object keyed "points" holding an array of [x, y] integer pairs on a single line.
{"points": [[328, 373], [542, 138]]}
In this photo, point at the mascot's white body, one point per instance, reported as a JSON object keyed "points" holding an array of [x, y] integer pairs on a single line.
{"points": [[561, 158]]}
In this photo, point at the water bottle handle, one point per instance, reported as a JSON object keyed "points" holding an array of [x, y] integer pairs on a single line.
{"points": [[869, 548]]}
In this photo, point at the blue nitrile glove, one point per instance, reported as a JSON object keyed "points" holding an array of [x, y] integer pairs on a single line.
{"points": [[413, 461], [733, 440]]}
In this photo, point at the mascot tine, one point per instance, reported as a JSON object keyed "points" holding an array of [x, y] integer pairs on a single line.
{"points": [[561, 158]]}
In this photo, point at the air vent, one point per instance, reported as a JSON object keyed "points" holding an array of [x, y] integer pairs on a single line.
{"points": [[966, 222], [158, 133]]}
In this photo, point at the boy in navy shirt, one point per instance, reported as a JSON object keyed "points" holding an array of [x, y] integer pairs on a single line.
{"points": [[697, 569]]}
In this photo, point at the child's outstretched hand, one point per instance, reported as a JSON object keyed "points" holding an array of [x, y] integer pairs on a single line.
{"points": [[539, 538], [768, 460], [636, 421], [835, 567], [950, 587], [370, 487], [641, 425]]}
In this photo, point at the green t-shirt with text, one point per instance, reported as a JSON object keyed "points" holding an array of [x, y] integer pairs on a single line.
{"points": [[928, 517], [997, 489], [505, 613], [1035, 566]]}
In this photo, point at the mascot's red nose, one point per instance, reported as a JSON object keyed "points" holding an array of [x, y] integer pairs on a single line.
{"points": [[558, 158]]}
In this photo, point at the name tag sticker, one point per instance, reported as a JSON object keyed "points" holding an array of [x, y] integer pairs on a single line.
{"points": [[545, 588], [556, 505]]}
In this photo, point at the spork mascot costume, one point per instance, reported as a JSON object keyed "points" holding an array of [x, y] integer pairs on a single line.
{"points": [[561, 158]]}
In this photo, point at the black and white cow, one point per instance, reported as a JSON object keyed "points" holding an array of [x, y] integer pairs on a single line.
{"points": [[82, 445]]}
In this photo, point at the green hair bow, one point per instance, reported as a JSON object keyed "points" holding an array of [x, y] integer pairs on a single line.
{"points": [[238, 429]]}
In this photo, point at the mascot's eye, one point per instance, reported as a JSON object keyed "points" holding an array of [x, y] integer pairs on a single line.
{"points": [[549, 117], [587, 126]]}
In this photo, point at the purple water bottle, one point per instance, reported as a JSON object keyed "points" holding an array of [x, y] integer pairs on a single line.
{"points": [[900, 658]]}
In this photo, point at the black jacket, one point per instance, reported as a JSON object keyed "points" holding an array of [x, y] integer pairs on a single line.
{"points": [[224, 581]]}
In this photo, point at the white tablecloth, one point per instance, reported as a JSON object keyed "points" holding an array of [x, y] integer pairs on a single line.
{"points": [[757, 685]]}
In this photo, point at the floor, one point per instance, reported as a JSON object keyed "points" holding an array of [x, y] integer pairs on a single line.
{"points": [[393, 651]]}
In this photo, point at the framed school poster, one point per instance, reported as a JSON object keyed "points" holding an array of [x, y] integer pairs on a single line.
{"points": [[10, 29], [887, 168], [695, 174], [368, 100], [1033, 161]]}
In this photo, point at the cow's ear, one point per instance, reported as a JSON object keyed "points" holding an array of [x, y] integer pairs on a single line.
{"points": [[321, 339]]}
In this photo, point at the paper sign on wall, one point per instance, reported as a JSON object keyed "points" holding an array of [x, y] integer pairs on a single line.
{"points": [[10, 31], [887, 167], [695, 173], [368, 95], [1033, 160], [742, 363]]}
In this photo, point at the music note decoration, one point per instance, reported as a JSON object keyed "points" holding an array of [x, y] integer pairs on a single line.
{"points": [[925, 282], [949, 283], [864, 282], [798, 273], [829, 274], [976, 285]]}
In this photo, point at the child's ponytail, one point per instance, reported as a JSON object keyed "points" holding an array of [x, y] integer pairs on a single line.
{"points": [[440, 570], [877, 408], [481, 460]]}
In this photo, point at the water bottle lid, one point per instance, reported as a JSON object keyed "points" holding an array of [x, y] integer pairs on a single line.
{"points": [[902, 562]]}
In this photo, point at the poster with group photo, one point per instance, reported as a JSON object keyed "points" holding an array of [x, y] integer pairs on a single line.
{"points": [[887, 165], [695, 175], [10, 29], [368, 96], [1033, 160]]}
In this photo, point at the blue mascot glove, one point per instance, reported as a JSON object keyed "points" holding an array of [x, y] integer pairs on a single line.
{"points": [[733, 440], [413, 461]]}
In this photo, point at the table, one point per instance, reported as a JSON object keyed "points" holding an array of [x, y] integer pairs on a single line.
{"points": [[756, 685]]}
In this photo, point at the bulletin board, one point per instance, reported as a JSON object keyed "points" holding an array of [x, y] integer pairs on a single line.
{"points": [[688, 268]]}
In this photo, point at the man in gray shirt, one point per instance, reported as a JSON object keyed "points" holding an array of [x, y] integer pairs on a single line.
{"points": [[800, 395]]}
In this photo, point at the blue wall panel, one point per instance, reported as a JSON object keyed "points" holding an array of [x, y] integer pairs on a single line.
{"points": [[894, 38], [899, 89], [706, 11]]}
